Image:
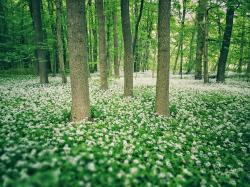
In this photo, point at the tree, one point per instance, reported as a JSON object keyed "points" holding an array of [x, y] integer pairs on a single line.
{"points": [[226, 42], [136, 64], [162, 83], [242, 43], [200, 38], [59, 40], [39, 39], [77, 61], [102, 44], [116, 44], [184, 7], [128, 54], [205, 60]]}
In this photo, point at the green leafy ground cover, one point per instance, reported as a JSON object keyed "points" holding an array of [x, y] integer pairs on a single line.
{"points": [[204, 143]]}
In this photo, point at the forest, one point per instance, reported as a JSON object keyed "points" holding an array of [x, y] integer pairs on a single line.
{"points": [[124, 93]]}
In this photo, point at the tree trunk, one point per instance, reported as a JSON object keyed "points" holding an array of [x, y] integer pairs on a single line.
{"points": [[128, 53], [225, 43], [205, 66], [162, 83], [59, 40], [149, 31], [41, 54], [77, 61], [115, 36], [53, 53], [102, 44], [184, 6], [136, 63], [200, 39], [242, 45], [177, 57], [191, 50]]}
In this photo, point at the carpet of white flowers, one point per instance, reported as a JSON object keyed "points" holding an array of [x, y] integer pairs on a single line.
{"points": [[205, 142]]}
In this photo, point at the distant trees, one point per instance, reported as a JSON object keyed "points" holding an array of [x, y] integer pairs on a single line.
{"points": [[78, 64], [39, 39], [128, 53], [162, 84]]}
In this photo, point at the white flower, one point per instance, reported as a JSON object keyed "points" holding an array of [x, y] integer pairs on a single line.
{"points": [[91, 166], [133, 170]]}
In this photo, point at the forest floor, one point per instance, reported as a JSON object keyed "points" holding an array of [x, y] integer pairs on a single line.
{"points": [[205, 142]]}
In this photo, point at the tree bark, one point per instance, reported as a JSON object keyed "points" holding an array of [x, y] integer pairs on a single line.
{"points": [[205, 61], [128, 53], [162, 83], [102, 44], [41, 54], [59, 40], [136, 65], [177, 57], [191, 50], [226, 42], [53, 50], [115, 36], [184, 6], [77, 61], [200, 39], [242, 45]]}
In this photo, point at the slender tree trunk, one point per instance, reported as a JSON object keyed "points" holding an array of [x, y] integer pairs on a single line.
{"points": [[225, 43], [242, 45], [128, 53], [177, 57], [205, 66], [115, 36], [59, 40], [200, 39], [41, 54], [191, 51], [184, 6], [248, 60], [53, 54], [149, 31], [162, 83], [92, 18], [102, 44], [136, 65], [77, 61]]}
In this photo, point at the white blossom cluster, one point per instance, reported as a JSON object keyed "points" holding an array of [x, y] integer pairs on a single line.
{"points": [[205, 142]]}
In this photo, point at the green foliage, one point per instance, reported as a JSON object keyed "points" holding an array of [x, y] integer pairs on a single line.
{"points": [[204, 142]]}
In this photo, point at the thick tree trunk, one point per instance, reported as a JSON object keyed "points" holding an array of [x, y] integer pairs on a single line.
{"points": [[205, 66], [200, 39], [41, 54], [102, 44], [115, 36], [59, 40], [162, 83], [128, 53], [77, 61], [225, 43]]}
